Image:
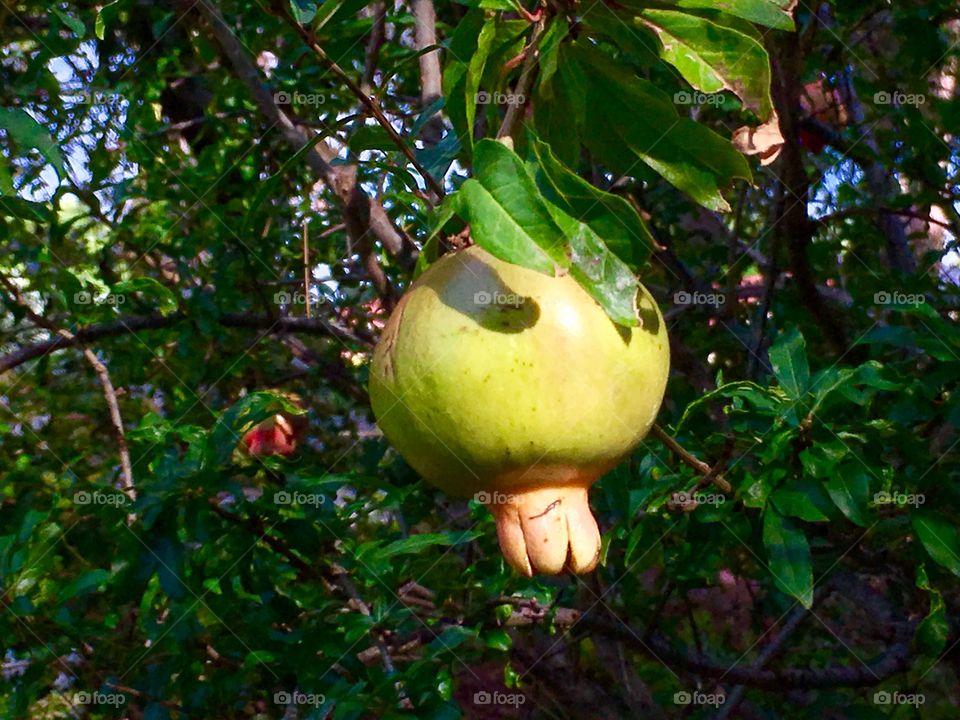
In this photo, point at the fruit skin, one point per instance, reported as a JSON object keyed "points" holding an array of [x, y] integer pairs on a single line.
{"points": [[492, 378]]}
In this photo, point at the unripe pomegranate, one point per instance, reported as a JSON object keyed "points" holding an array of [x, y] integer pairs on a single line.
{"points": [[515, 387]]}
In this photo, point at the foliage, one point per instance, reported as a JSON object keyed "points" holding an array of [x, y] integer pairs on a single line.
{"points": [[168, 164]]}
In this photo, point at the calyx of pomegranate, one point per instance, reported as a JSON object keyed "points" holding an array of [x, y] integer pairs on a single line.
{"points": [[514, 387]]}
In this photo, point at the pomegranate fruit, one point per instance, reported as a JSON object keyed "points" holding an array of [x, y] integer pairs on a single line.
{"points": [[514, 387]]}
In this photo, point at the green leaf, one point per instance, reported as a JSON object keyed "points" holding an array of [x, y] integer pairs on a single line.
{"points": [[610, 216], [75, 25], [788, 356], [789, 555], [849, 488], [439, 217], [28, 133], [478, 60], [303, 11], [498, 640], [713, 57], [87, 582], [940, 537], [549, 51], [107, 13], [507, 215], [417, 543], [772, 13], [559, 107], [601, 273], [6, 180], [932, 632], [166, 300], [803, 499], [690, 156]]}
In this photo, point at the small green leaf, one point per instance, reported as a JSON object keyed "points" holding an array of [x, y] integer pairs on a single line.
{"points": [[478, 60], [107, 13], [417, 543], [940, 537], [166, 300], [932, 633], [303, 11], [75, 25], [498, 640], [788, 356], [28, 133], [803, 499], [849, 488], [789, 555], [610, 216]]}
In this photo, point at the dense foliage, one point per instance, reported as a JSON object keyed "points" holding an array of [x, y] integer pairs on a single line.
{"points": [[206, 214]]}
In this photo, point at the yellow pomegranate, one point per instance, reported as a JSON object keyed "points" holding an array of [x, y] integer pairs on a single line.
{"points": [[514, 387]]}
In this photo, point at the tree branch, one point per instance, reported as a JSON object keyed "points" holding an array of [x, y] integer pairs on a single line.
{"points": [[710, 474], [368, 101], [531, 52], [425, 36], [373, 218], [312, 326]]}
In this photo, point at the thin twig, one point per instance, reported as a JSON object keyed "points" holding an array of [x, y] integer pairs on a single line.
{"points": [[306, 268], [701, 467], [525, 82], [133, 323], [425, 36], [852, 212], [109, 393]]}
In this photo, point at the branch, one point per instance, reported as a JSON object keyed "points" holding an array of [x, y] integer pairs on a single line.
{"points": [[312, 326], [378, 35], [531, 52], [856, 211], [431, 88], [373, 217], [894, 660], [711, 474]]}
